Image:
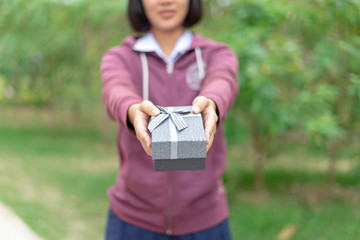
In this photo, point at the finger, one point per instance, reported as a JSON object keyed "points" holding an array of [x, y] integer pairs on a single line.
{"points": [[200, 103], [143, 136], [211, 140], [140, 126], [147, 149], [144, 139], [149, 108], [210, 126]]}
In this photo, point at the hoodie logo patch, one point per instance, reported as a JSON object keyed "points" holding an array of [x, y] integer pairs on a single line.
{"points": [[193, 79]]}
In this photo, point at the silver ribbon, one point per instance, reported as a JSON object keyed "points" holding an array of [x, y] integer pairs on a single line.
{"points": [[175, 116]]}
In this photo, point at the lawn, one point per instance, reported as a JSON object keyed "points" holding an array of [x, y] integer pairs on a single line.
{"points": [[55, 169]]}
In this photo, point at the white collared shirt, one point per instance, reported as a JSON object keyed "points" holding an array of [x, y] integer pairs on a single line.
{"points": [[148, 43]]}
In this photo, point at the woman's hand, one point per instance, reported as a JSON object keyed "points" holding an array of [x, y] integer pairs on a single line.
{"points": [[139, 115], [207, 107]]}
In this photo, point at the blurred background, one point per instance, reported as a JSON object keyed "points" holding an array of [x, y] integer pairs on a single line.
{"points": [[293, 134]]}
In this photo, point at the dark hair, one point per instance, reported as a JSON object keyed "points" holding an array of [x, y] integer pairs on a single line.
{"points": [[140, 23]]}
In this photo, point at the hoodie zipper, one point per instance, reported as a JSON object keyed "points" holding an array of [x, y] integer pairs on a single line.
{"points": [[169, 68], [169, 71], [169, 213]]}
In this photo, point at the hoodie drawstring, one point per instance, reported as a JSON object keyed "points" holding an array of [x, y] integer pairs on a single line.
{"points": [[145, 70], [200, 63]]}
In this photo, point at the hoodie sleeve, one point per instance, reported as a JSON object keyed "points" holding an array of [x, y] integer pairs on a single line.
{"points": [[220, 83], [119, 91]]}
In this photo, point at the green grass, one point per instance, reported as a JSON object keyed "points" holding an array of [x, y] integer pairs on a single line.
{"points": [[332, 220], [54, 172]]}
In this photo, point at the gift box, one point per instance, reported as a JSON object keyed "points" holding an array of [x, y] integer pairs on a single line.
{"points": [[178, 139]]}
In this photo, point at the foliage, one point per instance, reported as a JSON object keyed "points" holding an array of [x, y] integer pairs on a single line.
{"points": [[293, 71], [298, 68], [298, 61], [51, 49]]}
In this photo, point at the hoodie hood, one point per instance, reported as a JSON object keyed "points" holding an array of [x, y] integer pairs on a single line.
{"points": [[198, 41]]}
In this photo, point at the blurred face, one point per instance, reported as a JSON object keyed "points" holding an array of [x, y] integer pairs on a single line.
{"points": [[166, 15]]}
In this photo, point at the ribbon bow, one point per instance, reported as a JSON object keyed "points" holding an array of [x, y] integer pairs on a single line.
{"points": [[175, 116]]}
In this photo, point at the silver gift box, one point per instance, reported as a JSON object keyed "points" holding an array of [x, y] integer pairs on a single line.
{"points": [[174, 149]]}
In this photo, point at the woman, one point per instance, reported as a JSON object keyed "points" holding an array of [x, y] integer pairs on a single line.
{"points": [[182, 68]]}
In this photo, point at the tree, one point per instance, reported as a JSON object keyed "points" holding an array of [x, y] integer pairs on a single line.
{"points": [[51, 50], [294, 72], [332, 94]]}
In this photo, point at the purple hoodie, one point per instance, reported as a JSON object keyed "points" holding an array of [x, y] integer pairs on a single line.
{"points": [[177, 202]]}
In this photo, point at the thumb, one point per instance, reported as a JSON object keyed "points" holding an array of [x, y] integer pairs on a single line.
{"points": [[200, 103], [149, 108]]}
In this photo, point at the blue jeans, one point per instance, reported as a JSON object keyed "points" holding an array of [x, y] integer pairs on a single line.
{"points": [[116, 229]]}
